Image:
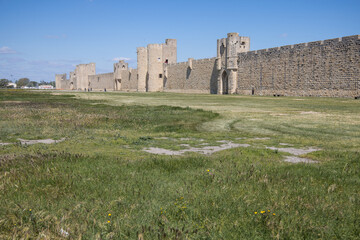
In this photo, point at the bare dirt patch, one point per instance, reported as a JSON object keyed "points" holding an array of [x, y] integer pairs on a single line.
{"points": [[4, 144], [44, 141], [31, 142], [279, 114], [293, 159], [294, 151], [15, 101], [310, 112], [204, 150], [285, 144]]}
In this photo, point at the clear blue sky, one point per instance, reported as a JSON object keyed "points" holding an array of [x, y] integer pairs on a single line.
{"points": [[39, 38]]}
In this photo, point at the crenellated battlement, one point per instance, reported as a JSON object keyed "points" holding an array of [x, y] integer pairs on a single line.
{"points": [[202, 60], [302, 46]]}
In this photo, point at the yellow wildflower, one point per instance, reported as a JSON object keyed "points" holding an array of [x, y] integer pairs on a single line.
{"points": [[268, 210], [30, 210], [109, 214], [255, 212], [274, 214], [108, 221], [208, 170], [262, 212]]}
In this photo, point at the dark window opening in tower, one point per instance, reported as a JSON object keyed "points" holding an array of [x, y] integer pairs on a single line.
{"points": [[167, 61], [222, 49], [243, 43], [160, 75]]}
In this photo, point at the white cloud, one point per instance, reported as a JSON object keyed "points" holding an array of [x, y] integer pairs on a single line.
{"points": [[6, 50], [121, 58]]}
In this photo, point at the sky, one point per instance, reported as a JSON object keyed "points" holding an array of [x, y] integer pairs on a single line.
{"points": [[41, 38]]}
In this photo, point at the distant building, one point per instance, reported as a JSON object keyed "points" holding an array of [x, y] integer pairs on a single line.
{"points": [[46, 87], [12, 85]]}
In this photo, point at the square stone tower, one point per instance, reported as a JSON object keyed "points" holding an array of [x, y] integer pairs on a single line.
{"points": [[152, 62], [119, 69], [82, 72], [59, 79], [226, 61]]}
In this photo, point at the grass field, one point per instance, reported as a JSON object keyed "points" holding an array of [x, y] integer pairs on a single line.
{"points": [[99, 183]]}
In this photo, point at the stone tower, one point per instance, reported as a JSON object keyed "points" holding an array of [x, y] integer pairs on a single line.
{"points": [[152, 62], [155, 67], [82, 72], [226, 61], [59, 79], [119, 69], [73, 82], [170, 51], [142, 68]]}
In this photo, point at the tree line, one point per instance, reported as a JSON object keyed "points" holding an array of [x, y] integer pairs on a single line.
{"points": [[24, 82]]}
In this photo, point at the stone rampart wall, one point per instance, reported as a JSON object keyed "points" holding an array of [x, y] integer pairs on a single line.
{"points": [[323, 68], [201, 77], [129, 80], [102, 81], [65, 84]]}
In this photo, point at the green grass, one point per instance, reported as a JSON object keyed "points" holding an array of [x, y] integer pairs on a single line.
{"points": [[100, 168]]}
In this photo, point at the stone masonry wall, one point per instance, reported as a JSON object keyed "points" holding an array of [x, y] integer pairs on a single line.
{"points": [[323, 68], [129, 80], [201, 77], [101, 81], [65, 84]]}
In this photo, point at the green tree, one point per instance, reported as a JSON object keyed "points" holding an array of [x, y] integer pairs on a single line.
{"points": [[32, 84], [22, 82], [52, 83], [3, 83]]}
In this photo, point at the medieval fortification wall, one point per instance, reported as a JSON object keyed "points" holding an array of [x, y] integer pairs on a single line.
{"points": [[323, 68], [101, 81], [193, 76], [129, 80]]}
